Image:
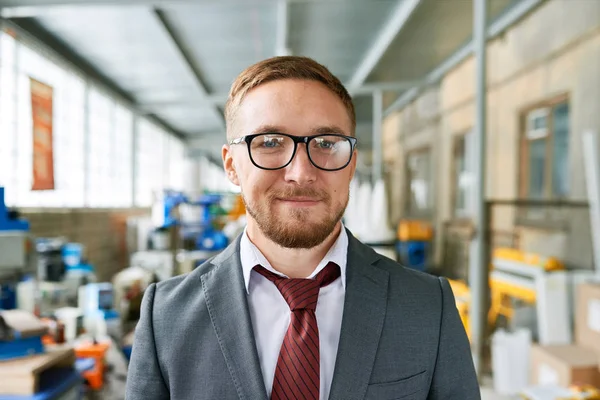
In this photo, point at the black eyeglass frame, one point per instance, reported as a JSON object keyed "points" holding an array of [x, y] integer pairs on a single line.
{"points": [[296, 139]]}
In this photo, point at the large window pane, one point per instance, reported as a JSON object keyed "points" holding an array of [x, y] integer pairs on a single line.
{"points": [[150, 163], [463, 175], [537, 168], [560, 167], [70, 142], [176, 164], [8, 149], [122, 159], [419, 179], [100, 174]]}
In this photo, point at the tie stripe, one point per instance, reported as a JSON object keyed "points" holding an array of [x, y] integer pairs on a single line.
{"points": [[297, 374]]}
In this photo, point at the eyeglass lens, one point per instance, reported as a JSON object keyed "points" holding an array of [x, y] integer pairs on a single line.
{"points": [[325, 151]]}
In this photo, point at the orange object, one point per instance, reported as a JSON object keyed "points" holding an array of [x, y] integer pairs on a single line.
{"points": [[97, 351], [414, 230], [238, 209]]}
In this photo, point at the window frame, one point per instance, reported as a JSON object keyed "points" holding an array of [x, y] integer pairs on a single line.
{"points": [[423, 213], [545, 218], [463, 214], [523, 143]]}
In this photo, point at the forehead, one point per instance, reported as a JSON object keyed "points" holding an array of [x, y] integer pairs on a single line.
{"points": [[297, 106]]}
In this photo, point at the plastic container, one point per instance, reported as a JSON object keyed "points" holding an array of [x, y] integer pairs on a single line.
{"points": [[511, 360]]}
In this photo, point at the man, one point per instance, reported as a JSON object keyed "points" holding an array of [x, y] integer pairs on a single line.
{"points": [[296, 307]]}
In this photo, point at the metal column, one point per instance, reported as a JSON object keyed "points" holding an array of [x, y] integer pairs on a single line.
{"points": [[592, 174], [478, 270], [377, 162]]}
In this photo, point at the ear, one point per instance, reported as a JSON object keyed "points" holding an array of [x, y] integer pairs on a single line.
{"points": [[229, 165], [353, 162]]}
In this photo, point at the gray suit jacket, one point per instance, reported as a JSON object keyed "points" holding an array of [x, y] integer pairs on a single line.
{"points": [[401, 336]]}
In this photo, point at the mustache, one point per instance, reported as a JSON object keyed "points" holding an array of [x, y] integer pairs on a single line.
{"points": [[299, 192]]}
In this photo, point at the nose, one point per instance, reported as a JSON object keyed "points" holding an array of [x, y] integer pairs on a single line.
{"points": [[301, 170]]}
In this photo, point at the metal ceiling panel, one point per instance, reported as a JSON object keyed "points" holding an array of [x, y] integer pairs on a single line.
{"points": [[225, 39], [435, 32], [130, 47], [337, 34], [185, 118]]}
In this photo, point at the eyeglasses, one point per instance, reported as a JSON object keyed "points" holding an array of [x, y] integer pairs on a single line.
{"points": [[273, 151]]}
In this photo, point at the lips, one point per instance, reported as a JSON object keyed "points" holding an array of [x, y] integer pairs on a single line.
{"points": [[301, 199]]}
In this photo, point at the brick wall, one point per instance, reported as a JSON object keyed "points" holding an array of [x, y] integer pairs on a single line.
{"points": [[101, 231]]}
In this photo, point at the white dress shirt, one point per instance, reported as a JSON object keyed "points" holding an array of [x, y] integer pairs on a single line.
{"points": [[270, 313]]}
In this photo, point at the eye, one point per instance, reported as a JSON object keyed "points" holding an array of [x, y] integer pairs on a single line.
{"points": [[271, 142], [324, 144]]}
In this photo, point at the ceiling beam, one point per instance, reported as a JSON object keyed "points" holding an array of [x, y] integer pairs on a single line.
{"points": [[388, 33], [33, 8], [188, 63], [35, 35], [283, 16], [500, 25], [368, 89], [219, 99]]}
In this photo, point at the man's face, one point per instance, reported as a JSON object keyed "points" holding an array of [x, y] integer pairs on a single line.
{"points": [[297, 206]]}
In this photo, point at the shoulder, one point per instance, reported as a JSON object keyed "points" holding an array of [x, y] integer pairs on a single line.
{"points": [[407, 279], [421, 289], [180, 290]]}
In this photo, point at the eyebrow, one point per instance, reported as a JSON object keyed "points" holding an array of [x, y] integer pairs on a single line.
{"points": [[321, 130]]}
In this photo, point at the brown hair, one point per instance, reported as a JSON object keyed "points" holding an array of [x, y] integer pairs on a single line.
{"points": [[284, 67]]}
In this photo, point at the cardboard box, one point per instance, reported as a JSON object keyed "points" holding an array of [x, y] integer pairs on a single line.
{"points": [[587, 318], [564, 365]]}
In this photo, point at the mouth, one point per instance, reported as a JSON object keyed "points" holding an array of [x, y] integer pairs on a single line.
{"points": [[300, 201]]}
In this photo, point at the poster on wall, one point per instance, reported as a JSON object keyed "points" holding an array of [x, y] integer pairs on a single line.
{"points": [[43, 155]]}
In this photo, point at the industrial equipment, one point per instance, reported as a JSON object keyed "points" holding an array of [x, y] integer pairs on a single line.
{"points": [[96, 302], [51, 264], [538, 281], [17, 256], [20, 334], [414, 243]]}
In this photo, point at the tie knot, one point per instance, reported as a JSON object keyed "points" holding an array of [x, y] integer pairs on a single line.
{"points": [[301, 293]]}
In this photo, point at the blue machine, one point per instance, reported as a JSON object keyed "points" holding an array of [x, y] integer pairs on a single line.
{"points": [[413, 254], [20, 341], [56, 383], [206, 237], [14, 253], [209, 239], [6, 222]]}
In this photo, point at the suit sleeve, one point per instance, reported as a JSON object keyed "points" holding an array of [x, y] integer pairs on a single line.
{"points": [[454, 377], [144, 377]]}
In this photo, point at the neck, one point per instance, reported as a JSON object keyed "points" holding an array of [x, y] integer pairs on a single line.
{"points": [[294, 263]]}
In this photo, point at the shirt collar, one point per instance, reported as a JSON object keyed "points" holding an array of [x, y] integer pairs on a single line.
{"points": [[251, 256]]}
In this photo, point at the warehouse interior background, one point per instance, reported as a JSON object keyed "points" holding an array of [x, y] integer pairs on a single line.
{"points": [[478, 126]]}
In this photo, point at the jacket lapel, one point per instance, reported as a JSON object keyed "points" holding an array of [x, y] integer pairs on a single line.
{"points": [[228, 308], [362, 322]]}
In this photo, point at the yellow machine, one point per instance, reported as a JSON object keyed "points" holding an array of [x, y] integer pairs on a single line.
{"points": [[513, 277], [531, 278], [462, 296]]}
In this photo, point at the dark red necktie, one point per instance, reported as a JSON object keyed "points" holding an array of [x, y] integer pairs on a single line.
{"points": [[297, 375]]}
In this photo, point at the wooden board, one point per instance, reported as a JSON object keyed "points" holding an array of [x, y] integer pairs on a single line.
{"points": [[21, 376]]}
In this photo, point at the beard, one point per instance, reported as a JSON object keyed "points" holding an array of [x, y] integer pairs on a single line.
{"points": [[295, 230]]}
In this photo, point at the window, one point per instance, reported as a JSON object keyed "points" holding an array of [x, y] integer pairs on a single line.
{"points": [[123, 158], [150, 162], [419, 182], [101, 134], [8, 134], [176, 166], [545, 152], [68, 108], [463, 175], [93, 137]]}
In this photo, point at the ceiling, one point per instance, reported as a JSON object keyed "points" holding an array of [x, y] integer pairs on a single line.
{"points": [[175, 59]]}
